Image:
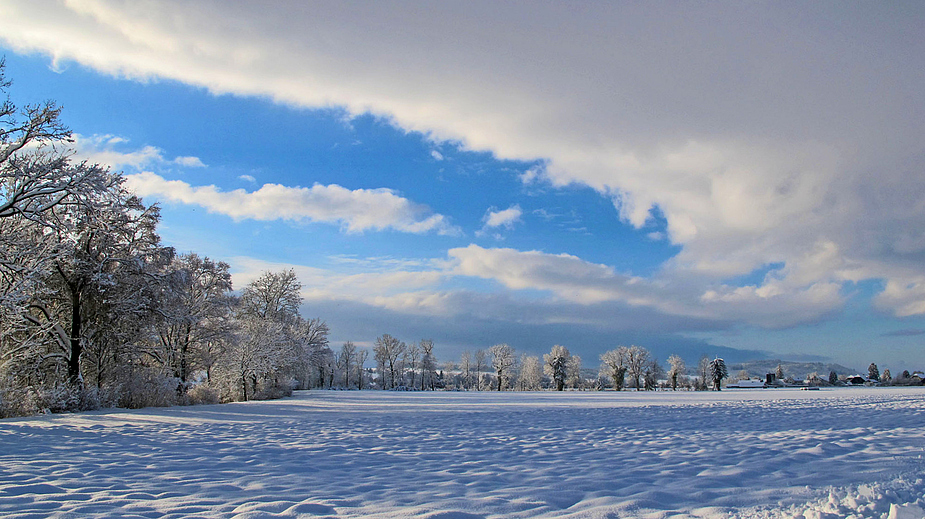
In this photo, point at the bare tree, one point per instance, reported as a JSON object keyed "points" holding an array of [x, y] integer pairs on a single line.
{"points": [[347, 357], [388, 350], [479, 365], [361, 357], [703, 367], [428, 364], [464, 366], [413, 352]]}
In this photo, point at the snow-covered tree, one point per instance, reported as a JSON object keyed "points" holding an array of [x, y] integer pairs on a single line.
{"points": [[703, 368], [718, 372], [361, 356], [613, 365], [465, 364], [502, 360], [833, 378], [387, 351], [556, 365], [428, 364], [346, 360], [636, 359], [887, 377], [873, 373], [651, 374], [479, 366], [196, 313], [531, 375], [675, 370], [573, 372]]}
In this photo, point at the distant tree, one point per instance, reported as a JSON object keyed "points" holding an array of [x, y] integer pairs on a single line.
{"points": [[347, 358], [833, 378], [465, 363], [413, 353], [653, 371], [718, 372], [613, 365], [779, 372], [872, 372], [703, 367], [637, 358], [573, 372], [556, 365], [479, 365], [387, 351], [502, 360], [361, 357], [428, 364], [531, 375], [887, 377], [676, 368]]}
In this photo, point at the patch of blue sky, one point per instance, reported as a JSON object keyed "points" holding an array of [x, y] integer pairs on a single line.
{"points": [[241, 138]]}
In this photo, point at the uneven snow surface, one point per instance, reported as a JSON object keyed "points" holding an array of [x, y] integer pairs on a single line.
{"points": [[750, 453]]}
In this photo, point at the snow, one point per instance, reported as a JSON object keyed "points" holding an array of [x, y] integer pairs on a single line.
{"points": [[852, 452]]}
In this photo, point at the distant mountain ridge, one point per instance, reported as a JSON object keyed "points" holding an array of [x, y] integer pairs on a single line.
{"points": [[797, 370]]}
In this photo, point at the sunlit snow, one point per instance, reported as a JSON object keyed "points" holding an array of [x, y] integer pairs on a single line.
{"points": [[752, 453]]}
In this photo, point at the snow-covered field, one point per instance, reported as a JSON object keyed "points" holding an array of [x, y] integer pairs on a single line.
{"points": [[748, 453]]}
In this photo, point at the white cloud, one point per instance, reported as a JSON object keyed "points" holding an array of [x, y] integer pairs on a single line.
{"points": [[189, 162], [247, 178], [506, 218], [101, 149], [436, 155], [756, 145], [356, 210]]}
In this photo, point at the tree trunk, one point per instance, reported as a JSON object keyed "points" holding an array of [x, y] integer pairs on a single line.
{"points": [[73, 361]]}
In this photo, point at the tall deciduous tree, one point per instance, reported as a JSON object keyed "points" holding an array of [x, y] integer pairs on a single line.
{"points": [[636, 359], [196, 314], [613, 364], [387, 351], [502, 360]]}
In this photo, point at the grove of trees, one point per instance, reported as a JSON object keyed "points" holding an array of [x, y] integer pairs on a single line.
{"points": [[95, 311]]}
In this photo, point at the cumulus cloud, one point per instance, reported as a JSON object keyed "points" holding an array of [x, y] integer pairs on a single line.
{"points": [[356, 210], [754, 128], [504, 218]]}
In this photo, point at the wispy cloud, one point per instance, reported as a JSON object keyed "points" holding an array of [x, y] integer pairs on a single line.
{"points": [[356, 210], [109, 150]]}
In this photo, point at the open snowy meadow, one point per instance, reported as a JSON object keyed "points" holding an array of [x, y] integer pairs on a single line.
{"points": [[760, 453]]}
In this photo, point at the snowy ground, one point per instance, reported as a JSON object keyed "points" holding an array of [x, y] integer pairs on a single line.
{"points": [[749, 453]]}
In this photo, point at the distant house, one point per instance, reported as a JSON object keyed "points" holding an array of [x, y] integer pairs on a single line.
{"points": [[856, 380], [747, 384]]}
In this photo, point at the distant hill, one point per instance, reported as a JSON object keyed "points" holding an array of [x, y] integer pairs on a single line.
{"points": [[797, 370]]}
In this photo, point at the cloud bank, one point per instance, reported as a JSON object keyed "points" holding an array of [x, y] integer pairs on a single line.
{"points": [[763, 133]]}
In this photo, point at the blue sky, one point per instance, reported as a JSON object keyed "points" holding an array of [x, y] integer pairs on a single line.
{"points": [[735, 180]]}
